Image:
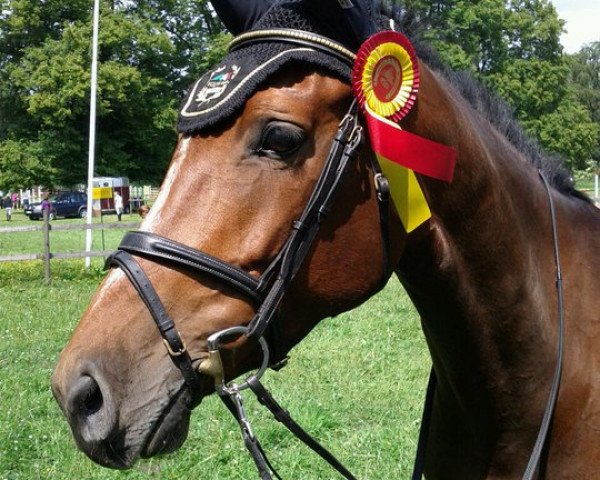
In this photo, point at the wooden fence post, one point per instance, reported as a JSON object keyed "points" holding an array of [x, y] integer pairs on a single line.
{"points": [[46, 237]]}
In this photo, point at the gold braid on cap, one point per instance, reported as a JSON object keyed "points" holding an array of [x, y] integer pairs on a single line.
{"points": [[297, 37]]}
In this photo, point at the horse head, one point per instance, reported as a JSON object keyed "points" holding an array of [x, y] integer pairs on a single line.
{"points": [[257, 133]]}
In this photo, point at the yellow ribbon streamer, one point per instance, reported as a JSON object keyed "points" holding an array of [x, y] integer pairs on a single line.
{"points": [[406, 193], [405, 190]]}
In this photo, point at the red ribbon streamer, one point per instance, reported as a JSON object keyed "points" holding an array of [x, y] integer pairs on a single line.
{"points": [[411, 151]]}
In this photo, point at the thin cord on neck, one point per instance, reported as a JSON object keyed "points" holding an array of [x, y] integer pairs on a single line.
{"points": [[540, 442]]}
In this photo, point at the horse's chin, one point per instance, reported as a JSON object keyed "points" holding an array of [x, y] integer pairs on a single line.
{"points": [[171, 429], [166, 434]]}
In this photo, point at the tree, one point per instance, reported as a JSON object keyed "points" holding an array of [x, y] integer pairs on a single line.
{"points": [[53, 85], [21, 163], [533, 29], [198, 37], [149, 52], [585, 76], [25, 24]]}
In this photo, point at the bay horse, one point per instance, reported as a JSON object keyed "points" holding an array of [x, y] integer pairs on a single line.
{"points": [[480, 272]]}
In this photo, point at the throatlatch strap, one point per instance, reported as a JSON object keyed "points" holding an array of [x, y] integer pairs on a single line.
{"points": [[305, 229]]}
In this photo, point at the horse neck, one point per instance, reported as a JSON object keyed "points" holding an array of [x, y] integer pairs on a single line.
{"points": [[477, 275]]}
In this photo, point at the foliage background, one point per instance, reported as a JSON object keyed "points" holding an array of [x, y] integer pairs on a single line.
{"points": [[150, 50]]}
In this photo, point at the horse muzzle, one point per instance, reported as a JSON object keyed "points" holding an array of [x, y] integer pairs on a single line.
{"points": [[113, 434], [86, 401]]}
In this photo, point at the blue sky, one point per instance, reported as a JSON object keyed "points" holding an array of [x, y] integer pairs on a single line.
{"points": [[583, 22]]}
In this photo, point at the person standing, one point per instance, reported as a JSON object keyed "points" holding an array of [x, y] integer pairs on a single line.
{"points": [[46, 207], [7, 203], [118, 205], [25, 199]]}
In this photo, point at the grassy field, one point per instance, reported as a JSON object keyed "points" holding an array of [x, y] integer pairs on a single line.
{"points": [[357, 383]]}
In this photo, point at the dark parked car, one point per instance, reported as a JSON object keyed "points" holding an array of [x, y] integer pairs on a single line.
{"points": [[64, 204]]}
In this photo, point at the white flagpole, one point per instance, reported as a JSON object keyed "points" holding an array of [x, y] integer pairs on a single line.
{"points": [[92, 139]]}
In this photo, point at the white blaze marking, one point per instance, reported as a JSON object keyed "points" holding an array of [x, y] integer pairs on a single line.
{"points": [[154, 214], [115, 275]]}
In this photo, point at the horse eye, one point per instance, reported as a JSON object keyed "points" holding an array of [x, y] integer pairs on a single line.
{"points": [[280, 140]]}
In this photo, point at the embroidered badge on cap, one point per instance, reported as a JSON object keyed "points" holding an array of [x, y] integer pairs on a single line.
{"points": [[217, 83], [216, 86]]}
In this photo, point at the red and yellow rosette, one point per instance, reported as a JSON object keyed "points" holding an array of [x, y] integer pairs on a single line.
{"points": [[385, 80], [386, 75]]}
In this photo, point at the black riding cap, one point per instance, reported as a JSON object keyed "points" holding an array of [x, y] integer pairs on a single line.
{"points": [[222, 91]]}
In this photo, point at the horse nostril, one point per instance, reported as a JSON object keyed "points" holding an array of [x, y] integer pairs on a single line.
{"points": [[93, 399], [86, 398], [90, 411]]}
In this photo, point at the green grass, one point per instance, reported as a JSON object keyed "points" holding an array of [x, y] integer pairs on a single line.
{"points": [[357, 383]]}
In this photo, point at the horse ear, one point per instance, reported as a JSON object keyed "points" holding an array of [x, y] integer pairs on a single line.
{"points": [[240, 15], [362, 16]]}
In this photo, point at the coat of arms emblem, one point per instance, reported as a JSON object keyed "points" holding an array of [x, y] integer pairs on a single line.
{"points": [[217, 83]]}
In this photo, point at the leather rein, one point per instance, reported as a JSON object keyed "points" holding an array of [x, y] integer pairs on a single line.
{"points": [[267, 291]]}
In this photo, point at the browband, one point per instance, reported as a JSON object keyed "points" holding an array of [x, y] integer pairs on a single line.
{"points": [[172, 253]]}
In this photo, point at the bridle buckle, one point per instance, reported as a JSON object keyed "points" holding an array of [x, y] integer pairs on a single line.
{"points": [[175, 353], [382, 186]]}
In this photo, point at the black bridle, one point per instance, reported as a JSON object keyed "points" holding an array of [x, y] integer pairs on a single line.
{"points": [[267, 291]]}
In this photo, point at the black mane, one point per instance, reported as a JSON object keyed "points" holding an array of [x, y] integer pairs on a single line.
{"points": [[495, 110]]}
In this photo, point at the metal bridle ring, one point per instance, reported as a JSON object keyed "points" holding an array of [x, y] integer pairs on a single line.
{"points": [[214, 342]]}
